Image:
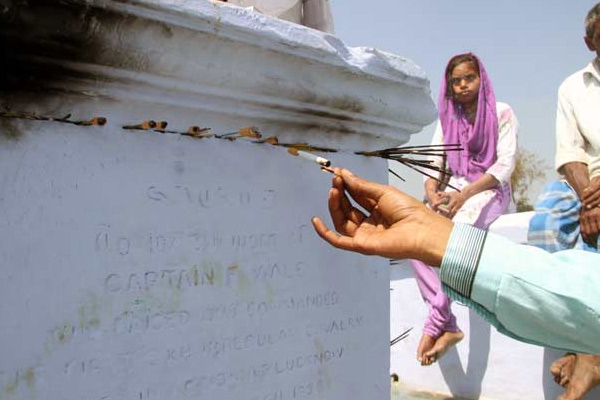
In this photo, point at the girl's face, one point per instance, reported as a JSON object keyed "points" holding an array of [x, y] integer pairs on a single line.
{"points": [[465, 83]]}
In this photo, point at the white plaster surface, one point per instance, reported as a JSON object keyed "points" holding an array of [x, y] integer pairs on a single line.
{"points": [[150, 266], [140, 265]]}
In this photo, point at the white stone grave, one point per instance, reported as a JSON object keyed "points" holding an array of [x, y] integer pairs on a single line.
{"points": [[146, 265]]}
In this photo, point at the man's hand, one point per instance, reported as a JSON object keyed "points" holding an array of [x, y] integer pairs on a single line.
{"points": [[591, 195], [395, 226], [589, 220]]}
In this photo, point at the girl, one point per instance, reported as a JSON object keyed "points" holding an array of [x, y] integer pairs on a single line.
{"points": [[487, 132]]}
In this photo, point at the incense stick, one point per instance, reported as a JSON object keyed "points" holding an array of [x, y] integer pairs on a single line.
{"points": [[401, 337], [408, 156]]}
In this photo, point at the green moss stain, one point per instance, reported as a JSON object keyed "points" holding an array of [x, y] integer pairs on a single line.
{"points": [[64, 333], [26, 376], [270, 292], [11, 387], [29, 378]]}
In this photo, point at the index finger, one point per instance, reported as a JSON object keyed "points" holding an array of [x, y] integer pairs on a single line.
{"points": [[366, 193], [591, 199], [338, 241]]}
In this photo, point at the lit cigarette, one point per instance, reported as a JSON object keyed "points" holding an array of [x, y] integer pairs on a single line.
{"points": [[310, 157]]}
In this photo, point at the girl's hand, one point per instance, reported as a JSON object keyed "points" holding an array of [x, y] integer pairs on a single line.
{"points": [[435, 199], [453, 201]]}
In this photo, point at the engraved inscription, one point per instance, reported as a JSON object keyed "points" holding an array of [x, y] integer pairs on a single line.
{"points": [[133, 322], [201, 239], [263, 308], [213, 197], [229, 380], [171, 278]]}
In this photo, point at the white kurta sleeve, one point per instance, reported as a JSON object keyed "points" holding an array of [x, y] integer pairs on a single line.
{"points": [[570, 144], [437, 139], [506, 150]]}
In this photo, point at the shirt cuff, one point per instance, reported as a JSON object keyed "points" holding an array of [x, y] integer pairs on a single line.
{"points": [[461, 259], [566, 157]]}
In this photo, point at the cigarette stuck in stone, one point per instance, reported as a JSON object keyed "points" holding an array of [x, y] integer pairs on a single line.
{"points": [[311, 157]]}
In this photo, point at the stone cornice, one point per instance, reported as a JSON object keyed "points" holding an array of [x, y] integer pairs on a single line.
{"points": [[219, 59]]}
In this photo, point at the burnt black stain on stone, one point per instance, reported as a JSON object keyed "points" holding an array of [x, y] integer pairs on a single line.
{"points": [[64, 30], [40, 28], [33, 31], [10, 129], [277, 85], [325, 114]]}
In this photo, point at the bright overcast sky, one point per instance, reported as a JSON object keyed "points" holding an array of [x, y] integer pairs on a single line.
{"points": [[528, 47]]}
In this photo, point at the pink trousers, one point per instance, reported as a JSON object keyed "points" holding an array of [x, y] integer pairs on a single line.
{"points": [[480, 211], [440, 318]]}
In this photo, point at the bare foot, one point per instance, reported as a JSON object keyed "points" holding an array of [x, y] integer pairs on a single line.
{"points": [[442, 344], [586, 376], [562, 369], [425, 345]]}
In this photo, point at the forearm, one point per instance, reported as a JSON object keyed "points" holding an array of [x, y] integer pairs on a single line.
{"points": [[485, 182], [530, 294], [432, 238], [577, 175]]}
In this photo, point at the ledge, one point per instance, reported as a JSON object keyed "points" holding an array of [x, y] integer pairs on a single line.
{"points": [[220, 60]]}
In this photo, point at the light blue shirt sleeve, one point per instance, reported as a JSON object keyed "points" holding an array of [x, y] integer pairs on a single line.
{"points": [[549, 299]]}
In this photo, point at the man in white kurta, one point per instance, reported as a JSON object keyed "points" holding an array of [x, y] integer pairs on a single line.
{"points": [[568, 212]]}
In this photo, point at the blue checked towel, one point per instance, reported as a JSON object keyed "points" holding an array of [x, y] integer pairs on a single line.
{"points": [[555, 225]]}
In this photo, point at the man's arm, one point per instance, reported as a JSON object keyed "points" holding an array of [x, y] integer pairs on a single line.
{"points": [[532, 295], [576, 173], [542, 298], [571, 161]]}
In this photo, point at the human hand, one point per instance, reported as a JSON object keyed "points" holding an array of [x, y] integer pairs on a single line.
{"points": [[435, 199], [591, 194], [453, 201], [589, 220], [396, 226]]}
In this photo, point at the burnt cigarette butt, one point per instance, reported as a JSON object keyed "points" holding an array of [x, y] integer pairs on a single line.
{"points": [[251, 132], [161, 125], [98, 121], [272, 140], [309, 156], [146, 125], [196, 130]]}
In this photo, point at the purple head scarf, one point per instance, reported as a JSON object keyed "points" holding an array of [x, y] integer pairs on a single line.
{"points": [[479, 140]]}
